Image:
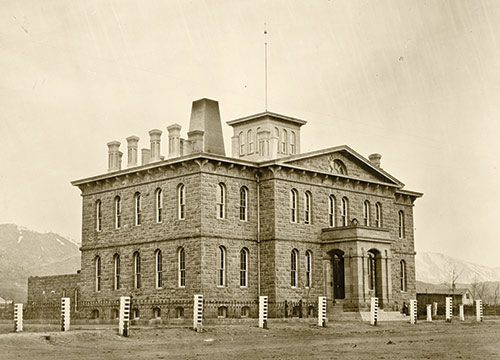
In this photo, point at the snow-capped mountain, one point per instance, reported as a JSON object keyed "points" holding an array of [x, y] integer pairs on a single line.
{"points": [[437, 268], [25, 252]]}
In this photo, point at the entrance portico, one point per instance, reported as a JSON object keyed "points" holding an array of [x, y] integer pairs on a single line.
{"points": [[356, 265]]}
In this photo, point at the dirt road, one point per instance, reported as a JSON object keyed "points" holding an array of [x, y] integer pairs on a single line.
{"points": [[437, 340]]}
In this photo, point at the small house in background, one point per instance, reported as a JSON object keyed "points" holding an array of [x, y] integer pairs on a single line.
{"points": [[431, 293], [5, 302]]}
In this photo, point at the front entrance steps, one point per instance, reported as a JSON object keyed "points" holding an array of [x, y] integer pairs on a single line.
{"points": [[384, 316], [335, 312]]}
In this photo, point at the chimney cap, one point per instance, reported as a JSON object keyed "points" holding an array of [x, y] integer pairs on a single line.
{"points": [[113, 144], [133, 138], [174, 127], [155, 131]]}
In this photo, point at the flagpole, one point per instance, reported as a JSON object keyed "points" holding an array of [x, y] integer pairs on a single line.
{"points": [[265, 62]]}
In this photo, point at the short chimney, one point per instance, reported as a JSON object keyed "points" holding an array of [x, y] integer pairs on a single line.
{"points": [[375, 159], [205, 118], [114, 156], [155, 137], [196, 140], [146, 156], [174, 140], [132, 142]]}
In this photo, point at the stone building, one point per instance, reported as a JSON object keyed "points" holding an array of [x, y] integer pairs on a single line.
{"points": [[269, 220]]}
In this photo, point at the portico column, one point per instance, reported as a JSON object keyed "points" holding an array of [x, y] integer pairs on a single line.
{"points": [[382, 277], [357, 279], [388, 262], [327, 275]]}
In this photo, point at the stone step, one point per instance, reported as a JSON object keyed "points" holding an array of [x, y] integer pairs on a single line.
{"points": [[385, 316]]}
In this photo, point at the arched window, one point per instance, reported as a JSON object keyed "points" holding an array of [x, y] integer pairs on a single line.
{"points": [[401, 224], [138, 208], [245, 312], [98, 215], [182, 267], [137, 270], [221, 201], [293, 268], [344, 211], [157, 313], [243, 203], [118, 212], [95, 314], [244, 268], [338, 167], [222, 312], [378, 215], [366, 213], [307, 207], [250, 141], [181, 201], [135, 314], [158, 268], [308, 268], [277, 136], [97, 263], [115, 314], [284, 138], [179, 312], [402, 264], [241, 140], [372, 275], [116, 268], [331, 211], [293, 140], [221, 266], [293, 205], [159, 205]]}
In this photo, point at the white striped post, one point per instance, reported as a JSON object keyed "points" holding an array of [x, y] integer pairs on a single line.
{"points": [[373, 311], [18, 317], [124, 319], [434, 309], [413, 311], [263, 305], [322, 311], [429, 312], [65, 313], [198, 313], [479, 310], [449, 308]]}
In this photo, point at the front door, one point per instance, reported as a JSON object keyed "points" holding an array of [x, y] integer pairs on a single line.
{"points": [[338, 276]]}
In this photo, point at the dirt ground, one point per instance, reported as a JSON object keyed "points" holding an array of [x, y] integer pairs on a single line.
{"points": [[390, 340]]}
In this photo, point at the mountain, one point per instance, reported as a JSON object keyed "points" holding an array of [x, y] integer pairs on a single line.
{"points": [[24, 253], [437, 268]]}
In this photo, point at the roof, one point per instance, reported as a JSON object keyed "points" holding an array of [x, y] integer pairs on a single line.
{"points": [[349, 150], [439, 289], [267, 114]]}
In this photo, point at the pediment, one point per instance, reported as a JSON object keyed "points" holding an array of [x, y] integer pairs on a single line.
{"points": [[342, 161]]}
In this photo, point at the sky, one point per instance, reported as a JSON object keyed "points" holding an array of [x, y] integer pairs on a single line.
{"points": [[416, 81]]}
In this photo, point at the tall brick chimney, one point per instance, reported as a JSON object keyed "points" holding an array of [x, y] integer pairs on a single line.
{"points": [[174, 140], [205, 120], [155, 137], [146, 156], [375, 159], [114, 158], [132, 150]]}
